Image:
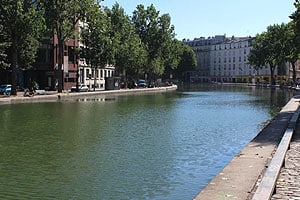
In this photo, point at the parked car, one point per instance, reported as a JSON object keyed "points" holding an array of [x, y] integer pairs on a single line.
{"points": [[5, 89], [81, 88], [142, 83]]}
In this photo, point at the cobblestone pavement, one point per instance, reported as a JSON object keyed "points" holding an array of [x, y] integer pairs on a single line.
{"points": [[288, 183]]}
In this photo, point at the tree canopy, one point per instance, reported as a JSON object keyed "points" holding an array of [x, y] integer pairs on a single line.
{"points": [[4, 44], [143, 43], [157, 34], [268, 49], [187, 62], [129, 51], [61, 18], [22, 23]]}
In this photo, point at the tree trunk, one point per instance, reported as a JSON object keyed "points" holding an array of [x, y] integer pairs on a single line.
{"points": [[95, 79], [272, 68], [294, 73], [14, 69]]}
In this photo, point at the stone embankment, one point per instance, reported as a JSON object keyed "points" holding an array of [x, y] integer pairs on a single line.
{"points": [[241, 177], [50, 96]]}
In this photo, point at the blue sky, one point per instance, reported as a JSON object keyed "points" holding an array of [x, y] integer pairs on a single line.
{"points": [[195, 18]]}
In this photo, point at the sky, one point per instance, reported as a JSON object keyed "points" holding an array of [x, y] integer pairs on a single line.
{"points": [[205, 18]]}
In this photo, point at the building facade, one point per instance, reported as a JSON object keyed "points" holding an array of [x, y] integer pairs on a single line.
{"points": [[223, 59], [74, 69]]}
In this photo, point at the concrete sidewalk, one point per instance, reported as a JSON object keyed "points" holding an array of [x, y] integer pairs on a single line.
{"points": [[239, 179], [288, 182], [68, 95]]}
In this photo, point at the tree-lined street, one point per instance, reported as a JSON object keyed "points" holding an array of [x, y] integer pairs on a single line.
{"points": [[140, 45]]}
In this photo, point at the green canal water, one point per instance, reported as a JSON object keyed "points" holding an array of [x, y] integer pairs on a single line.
{"points": [[154, 146]]}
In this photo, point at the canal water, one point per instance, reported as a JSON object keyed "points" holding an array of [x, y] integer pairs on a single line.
{"points": [[152, 146]]}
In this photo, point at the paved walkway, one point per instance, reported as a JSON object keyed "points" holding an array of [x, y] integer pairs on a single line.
{"points": [[50, 96], [288, 183]]}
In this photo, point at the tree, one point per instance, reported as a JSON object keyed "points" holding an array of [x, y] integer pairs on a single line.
{"points": [[61, 17], [96, 40], [22, 23], [188, 61], [129, 51], [294, 34], [157, 33], [268, 49], [290, 47], [296, 22], [4, 44]]}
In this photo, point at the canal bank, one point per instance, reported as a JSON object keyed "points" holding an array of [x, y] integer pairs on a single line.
{"points": [[69, 95], [240, 178]]}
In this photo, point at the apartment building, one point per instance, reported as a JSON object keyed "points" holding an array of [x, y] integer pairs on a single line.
{"points": [[74, 69], [225, 59]]}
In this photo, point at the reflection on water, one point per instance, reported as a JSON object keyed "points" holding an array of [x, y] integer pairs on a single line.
{"points": [[158, 146], [97, 99]]}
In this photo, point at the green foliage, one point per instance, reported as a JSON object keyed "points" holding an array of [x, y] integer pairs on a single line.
{"points": [[61, 18], [269, 48], [291, 45], [4, 44], [157, 33], [129, 51], [296, 24], [188, 61], [294, 39], [143, 43], [22, 26], [95, 38]]}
